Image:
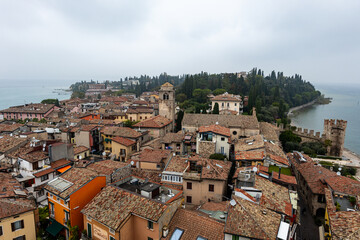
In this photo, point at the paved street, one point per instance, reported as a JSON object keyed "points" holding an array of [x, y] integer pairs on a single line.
{"points": [[308, 229]]}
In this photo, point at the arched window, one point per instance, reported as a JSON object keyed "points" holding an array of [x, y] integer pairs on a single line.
{"points": [[166, 96]]}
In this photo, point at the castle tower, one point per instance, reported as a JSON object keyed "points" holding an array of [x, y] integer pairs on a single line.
{"points": [[167, 101], [335, 132]]}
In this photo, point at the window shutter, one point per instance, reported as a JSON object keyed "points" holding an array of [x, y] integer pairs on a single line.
{"points": [[12, 226], [22, 223]]}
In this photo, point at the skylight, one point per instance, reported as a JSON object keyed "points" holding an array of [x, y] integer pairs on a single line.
{"points": [[177, 234]]}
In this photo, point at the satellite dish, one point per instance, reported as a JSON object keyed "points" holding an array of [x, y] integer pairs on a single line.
{"points": [[132, 162], [338, 173], [104, 153], [340, 168], [232, 202], [80, 157], [255, 169]]}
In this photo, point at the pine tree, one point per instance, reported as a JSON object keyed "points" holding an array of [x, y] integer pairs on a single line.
{"points": [[216, 109]]}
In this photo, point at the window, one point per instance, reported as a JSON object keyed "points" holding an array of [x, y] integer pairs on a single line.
{"points": [[201, 238], [189, 185], [235, 237], [211, 187], [89, 233], [222, 139], [45, 177], [149, 238], [235, 104], [52, 212], [222, 150], [234, 132], [17, 225], [177, 234], [188, 199], [112, 238], [67, 216], [20, 238], [1, 232], [150, 225]]}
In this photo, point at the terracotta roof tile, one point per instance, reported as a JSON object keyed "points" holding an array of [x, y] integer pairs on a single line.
{"points": [[249, 155], [14, 206], [343, 224], [60, 163], [121, 132], [113, 205], [173, 138], [10, 127], [77, 176], [80, 149], [250, 220], [156, 156], [194, 224], [44, 172], [239, 121], [106, 167], [8, 143], [124, 141], [215, 129], [274, 197], [154, 122]]}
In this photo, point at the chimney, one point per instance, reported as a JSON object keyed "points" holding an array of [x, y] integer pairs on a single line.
{"points": [[279, 172]]}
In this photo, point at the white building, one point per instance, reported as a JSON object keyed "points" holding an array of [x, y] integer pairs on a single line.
{"points": [[213, 139], [228, 104]]}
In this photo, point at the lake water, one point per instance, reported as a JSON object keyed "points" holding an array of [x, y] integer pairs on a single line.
{"points": [[345, 105], [18, 92]]}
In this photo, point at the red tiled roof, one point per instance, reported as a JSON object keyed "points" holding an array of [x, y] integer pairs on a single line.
{"points": [[156, 156], [44, 172], [113, 205], [154, 122], [279, 159], [15, 206], [80, 149], [283, 178], [106, 167], [124, 141], [10, 127], [249, 155], [251, 220], [215, 129], [121, 131], [60, 163], [194, 225]]}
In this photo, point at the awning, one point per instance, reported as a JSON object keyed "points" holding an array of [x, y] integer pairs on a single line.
{"points": [[63, 169], [54, 228]]}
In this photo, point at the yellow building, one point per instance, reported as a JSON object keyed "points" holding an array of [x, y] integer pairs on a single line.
{"points": [[139, 114], [122, 148], [18, 219], [81, 151], [108, 133]]}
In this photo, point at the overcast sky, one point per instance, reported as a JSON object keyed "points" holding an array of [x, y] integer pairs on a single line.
{"points": [[82, 40]]}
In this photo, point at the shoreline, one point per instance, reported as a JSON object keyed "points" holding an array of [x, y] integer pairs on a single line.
{"points": [[298, 108]]}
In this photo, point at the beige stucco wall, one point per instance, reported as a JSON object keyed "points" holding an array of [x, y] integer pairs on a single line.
{"points": [[82, 154], [116, 147], [28, 230], [200, 190], [149, 165], [82, 138], [100, 228]]}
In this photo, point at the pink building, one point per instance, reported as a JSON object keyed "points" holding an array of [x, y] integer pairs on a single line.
{"points": [[30, 111]]}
